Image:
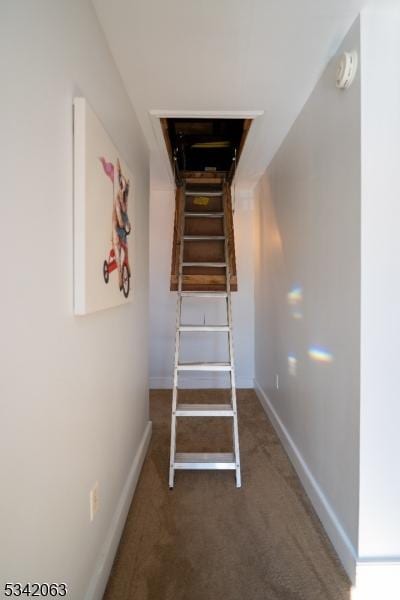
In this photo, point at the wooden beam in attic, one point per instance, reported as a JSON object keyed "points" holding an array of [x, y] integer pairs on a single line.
{"points": [[203, 177]]}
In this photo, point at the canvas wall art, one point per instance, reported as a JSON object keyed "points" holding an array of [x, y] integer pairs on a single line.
{"points": [[103, 217]]}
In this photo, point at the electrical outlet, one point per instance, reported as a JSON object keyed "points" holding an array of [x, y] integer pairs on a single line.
{"points": [[277, 381], [94, 500]]}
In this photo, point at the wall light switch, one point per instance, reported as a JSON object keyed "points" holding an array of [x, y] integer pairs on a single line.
{"points": [[94, 500], [277, 381]]}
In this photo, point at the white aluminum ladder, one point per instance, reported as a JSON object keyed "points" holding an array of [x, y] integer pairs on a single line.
{"points": [[192, 460]]}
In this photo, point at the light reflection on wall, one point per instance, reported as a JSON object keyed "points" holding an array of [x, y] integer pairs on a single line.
{"points": [[275, 239], [292, 365], [295, 298], [320, 355]]}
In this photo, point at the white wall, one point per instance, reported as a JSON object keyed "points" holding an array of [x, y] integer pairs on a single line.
{"points": [[380, 405], [163, 303], [74, 406], [308, 238]]}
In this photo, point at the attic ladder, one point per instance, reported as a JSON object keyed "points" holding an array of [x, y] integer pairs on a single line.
{"points": [[204, 460]]}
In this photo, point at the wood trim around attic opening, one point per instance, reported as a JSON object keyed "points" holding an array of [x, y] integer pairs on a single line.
{"points": [[176, 244], [164, 127]]}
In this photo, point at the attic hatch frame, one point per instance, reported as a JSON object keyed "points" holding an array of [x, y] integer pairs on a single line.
{"points": [[162, 116], [203, 279]]}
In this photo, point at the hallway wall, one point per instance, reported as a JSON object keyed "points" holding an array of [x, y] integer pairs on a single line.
{"points": [[163, 303], [307, 300], [380, 406], [74, 398]]}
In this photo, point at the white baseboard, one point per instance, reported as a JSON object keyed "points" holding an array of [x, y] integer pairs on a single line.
{"points": [[101, 574], [377, 579], [333, 528], [198, 382]]}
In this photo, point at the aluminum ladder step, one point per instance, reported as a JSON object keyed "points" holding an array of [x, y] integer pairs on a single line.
{"points": [[195, 294], [203, 194], [203, 238], [209, 215], [204, 410], [204, 367], [213, 265], [204, 328], [205, 460]]}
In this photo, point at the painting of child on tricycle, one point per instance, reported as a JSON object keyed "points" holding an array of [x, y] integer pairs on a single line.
{"points": [[104, 199], [118, 258]]}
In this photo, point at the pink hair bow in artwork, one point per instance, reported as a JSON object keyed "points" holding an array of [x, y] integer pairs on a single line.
{"points": [[108, 168]]}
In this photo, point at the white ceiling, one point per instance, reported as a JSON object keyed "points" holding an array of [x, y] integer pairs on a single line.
{"points": [[223, 55]]}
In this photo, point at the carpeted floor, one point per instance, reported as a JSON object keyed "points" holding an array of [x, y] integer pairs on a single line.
{"points": [[207, 540]]}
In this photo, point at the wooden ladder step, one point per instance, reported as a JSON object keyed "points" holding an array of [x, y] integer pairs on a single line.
{"points": [[203, 238], [195, 294], [213, 265], [205, 194], [208, 215]]}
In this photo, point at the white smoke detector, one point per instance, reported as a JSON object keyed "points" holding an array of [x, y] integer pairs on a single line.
{"points": [[346, 69]]}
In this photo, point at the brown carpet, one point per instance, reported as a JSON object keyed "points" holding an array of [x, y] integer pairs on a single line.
{"points": [[207, 540]]}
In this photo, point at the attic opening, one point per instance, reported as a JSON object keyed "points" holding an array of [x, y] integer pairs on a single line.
{"points": [[204, 153], [207, 146]]}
